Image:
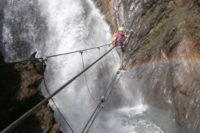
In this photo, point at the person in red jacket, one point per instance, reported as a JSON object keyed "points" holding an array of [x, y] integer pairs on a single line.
{"points": [[118, 41]]}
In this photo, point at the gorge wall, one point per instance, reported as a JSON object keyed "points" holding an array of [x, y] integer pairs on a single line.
{"points": [[164, 49], [19, 92], [20, 26]]}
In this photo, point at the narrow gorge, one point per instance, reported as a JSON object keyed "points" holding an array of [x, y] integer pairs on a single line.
{"points": [[158, 93], [164, 49]]}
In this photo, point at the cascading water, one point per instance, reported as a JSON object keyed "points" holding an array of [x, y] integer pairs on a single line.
{"points": [[68, 32], [54, 27]]}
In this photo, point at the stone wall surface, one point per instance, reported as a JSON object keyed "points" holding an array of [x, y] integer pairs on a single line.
{"points": [[165, 51], [19, 92]]}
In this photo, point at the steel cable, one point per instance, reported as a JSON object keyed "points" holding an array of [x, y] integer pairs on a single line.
{"points": [[51, 56], [86, 81], [104, 98], [61, 114], [29, 112]]}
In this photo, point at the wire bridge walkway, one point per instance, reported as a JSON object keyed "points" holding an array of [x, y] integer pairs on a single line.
{"points": [[100, 103]]}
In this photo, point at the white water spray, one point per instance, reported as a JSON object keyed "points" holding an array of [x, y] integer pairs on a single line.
{"points": [[74, 25]]}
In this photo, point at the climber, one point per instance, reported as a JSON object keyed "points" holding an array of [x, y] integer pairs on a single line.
{"points": [[118, 41]]}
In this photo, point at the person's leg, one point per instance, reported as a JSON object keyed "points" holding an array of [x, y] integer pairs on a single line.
{"points": [[119, 51], [123, 52], [122, 59]]}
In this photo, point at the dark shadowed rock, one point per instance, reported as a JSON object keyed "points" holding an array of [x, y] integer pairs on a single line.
{"points": [[19, 93], [1, 58]]}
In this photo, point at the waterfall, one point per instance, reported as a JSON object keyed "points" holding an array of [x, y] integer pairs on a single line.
{"points": [[57, 26], [23, 29], [75, 25]]}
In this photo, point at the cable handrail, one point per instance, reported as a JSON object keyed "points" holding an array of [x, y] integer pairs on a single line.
{"points": [[77, 51], [29, 112], [86, 81], [96, 111], [46, 87], [51, 56], [100, 105]]}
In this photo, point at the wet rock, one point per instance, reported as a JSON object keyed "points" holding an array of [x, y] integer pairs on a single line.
{"points": [[105, 7], [19, 93], [1, 58], [30, 79], [165, 45]]}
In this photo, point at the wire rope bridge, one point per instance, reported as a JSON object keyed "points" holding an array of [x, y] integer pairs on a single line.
{"points": [[100, 103]]}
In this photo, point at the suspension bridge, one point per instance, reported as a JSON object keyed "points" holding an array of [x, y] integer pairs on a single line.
{"points": [[99, 104]]}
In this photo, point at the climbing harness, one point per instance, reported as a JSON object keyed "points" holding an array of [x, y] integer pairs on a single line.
{"points": [[29, 112]]}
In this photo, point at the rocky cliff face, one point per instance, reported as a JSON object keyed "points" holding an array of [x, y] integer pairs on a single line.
{"points": [[164, 51], [19, 83], [20, 26]]}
